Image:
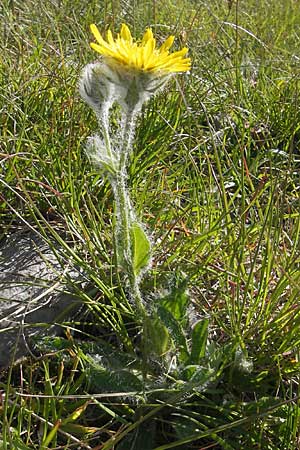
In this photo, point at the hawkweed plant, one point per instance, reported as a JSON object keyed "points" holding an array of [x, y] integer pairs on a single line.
{"points": [[128, 74]]}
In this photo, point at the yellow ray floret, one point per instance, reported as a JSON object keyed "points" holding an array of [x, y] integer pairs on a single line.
{"points": [[142, 56]]}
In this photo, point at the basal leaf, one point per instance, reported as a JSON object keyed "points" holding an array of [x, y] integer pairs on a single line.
{"points": [[177, 300], [199, 340], [175, 330], [156, 337]]}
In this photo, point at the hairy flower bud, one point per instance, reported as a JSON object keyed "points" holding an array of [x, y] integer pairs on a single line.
{"points": [[98, 153], [100, 86]]}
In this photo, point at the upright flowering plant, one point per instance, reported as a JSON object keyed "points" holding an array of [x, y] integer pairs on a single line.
{"points": [[128, 73]]}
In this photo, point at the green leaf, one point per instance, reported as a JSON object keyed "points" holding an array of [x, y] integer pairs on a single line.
{"points": [[156, 337], [188, 371], [106, 380], [140, 248], [199, 341], [175, 330], [177, 300], [142, 438]]}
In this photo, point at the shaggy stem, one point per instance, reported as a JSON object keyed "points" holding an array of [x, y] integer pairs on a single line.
{"points": [[125, 216], [103, 119], [128, 123], [124, 210]]}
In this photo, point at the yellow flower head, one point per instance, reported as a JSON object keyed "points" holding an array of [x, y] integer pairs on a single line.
{"points": [[140, 56]]}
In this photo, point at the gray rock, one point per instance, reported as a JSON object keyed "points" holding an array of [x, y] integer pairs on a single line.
{"points": [[33, 294]]}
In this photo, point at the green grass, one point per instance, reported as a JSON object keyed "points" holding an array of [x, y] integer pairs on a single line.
{"points": [[215, 178]]}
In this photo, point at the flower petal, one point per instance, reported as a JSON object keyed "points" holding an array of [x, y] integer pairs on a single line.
{"points": [[96, 33], [125, 33], [110, 38], [167, 44], [148, 35]]}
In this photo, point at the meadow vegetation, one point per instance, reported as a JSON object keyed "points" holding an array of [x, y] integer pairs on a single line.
{"points": [[215, 179]]}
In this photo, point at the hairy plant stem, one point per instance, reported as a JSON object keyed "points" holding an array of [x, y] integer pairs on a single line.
{"points": [[128, 123], [125, 216], [103, 119]]}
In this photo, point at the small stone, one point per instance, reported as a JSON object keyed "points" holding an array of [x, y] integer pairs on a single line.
{"points": [[33, 294]]}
